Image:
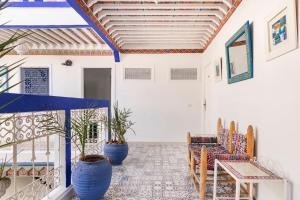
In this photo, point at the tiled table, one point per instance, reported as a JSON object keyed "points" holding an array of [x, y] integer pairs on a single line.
{"points": [[245, 172]]}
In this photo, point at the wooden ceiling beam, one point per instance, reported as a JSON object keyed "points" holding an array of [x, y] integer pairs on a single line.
{"points": [[160, 51], [161, 13], [195, 19], [97, 8]]}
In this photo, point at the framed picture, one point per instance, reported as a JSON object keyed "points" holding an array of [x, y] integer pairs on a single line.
{"points": [[281, 30], [3, 79], [239, 55], [218, 67]]}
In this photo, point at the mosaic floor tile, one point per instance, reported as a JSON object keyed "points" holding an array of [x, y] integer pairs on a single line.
{"points": [[153, 172]]}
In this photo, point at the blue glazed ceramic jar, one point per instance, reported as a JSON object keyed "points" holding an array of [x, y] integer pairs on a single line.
{"points": [[116, 152], [91, 178]]}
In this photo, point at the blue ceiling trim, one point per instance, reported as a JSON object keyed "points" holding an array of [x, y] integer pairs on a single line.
{"points": [[35, 103], [84, 15], [41, 26], [37, 4], [117, 56]]}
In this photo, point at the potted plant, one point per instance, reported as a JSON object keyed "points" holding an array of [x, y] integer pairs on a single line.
{"points": [[91, 175], [117, 148], [4, 181]]}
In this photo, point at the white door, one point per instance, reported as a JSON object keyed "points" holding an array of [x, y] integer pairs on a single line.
{"points": [[206, 79]]}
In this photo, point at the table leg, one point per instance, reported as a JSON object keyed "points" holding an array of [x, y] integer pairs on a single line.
{"points": [[251, 191], [237, 190], [215, 181]]}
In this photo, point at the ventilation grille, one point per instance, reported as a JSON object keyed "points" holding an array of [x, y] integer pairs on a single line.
{"points": [[137, 74], [184, 74]]}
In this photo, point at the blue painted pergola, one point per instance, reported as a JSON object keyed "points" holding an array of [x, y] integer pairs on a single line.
{"points": [[35, 103], [67, 3]]}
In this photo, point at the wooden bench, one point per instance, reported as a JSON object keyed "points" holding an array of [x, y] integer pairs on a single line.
{"points": [[230, 146]]}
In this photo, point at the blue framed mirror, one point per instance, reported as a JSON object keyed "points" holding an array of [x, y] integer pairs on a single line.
{"points": [[239, 55]]}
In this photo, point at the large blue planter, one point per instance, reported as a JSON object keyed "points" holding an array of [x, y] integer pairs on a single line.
{"points": [[116, 152], [91, 180]]}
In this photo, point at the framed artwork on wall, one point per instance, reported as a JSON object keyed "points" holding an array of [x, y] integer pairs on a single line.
{"points": [[218, 67], [3, 79], [281, 30], [239, 55]]}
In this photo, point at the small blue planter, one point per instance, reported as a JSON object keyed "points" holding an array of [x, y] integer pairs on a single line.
{"points": [[91, 180], [116, 153]]}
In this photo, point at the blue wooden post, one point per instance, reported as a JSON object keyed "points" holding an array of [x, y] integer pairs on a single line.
{"points": [[109, 120], [76, 6], [68, 147]]}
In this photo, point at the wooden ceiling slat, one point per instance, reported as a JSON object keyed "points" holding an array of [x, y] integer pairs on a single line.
{"points": [[48, 36], [92, 2], [163, 13], [57, 38], [160, 51], [74, 34], [55, 33], [59, 34], [213, 19], [95, 35], [63, 32], [146, 7], [42, 38], [87, 36], [33, 37]]}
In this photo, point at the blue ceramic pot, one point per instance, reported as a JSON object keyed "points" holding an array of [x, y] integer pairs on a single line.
{"points": [[116, 152], [91, 178]]}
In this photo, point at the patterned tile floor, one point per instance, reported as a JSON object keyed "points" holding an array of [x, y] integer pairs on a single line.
{"points": [[153, 172]]}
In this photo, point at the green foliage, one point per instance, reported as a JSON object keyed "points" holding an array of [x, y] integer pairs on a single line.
{"points": [[81, 125], [120, 124]]}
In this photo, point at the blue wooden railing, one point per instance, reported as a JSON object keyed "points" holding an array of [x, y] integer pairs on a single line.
{"points": [[38, 4], [35, 103]]}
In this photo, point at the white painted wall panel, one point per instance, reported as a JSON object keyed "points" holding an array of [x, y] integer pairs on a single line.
{"points": [[163, 110], [270, 101]]}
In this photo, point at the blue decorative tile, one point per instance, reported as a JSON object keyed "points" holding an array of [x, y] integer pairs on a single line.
{"points": [[35, 81]]}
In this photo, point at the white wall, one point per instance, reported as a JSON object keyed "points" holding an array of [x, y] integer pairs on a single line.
{"points": [[270, 101], [163, 110]]}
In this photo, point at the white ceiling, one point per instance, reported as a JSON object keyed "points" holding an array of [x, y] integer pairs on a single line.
{"points": [[131, 24], [136, 24]]}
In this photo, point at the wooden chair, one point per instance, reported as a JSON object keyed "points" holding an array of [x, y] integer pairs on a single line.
{"points": [[203, 176], [196, 142]]}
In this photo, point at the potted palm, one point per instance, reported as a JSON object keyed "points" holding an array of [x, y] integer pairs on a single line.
{"points": [[117, 148], [91, 175]]}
